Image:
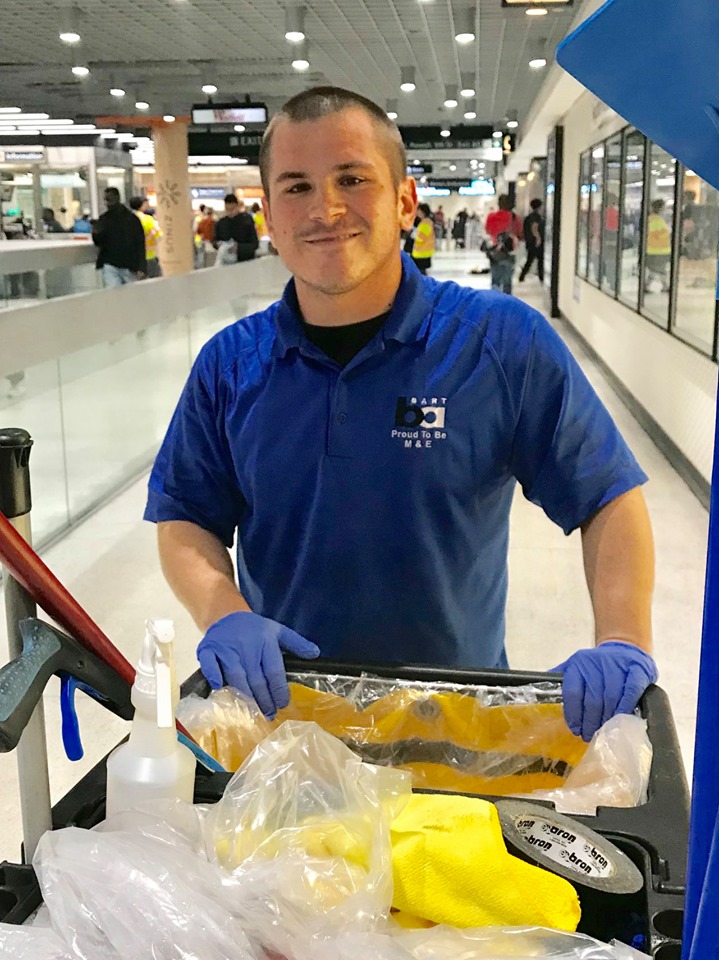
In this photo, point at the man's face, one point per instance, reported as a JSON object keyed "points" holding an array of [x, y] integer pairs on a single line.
{"points": [[334, 214], [232, 209]]}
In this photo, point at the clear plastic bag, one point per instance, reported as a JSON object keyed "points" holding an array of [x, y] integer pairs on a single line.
{"points": [[484, 740], [614, 771], [306, 804], [487, 943], [31, 943]]}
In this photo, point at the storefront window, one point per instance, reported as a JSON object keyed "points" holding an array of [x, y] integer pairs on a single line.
{"points": [[628, 285], [595, 212], [658, 236], [66, 193], [583, 214], [610, 216], [111, 177], [698, 224]]}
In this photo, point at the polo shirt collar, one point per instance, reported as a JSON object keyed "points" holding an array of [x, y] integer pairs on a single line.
{"points": [[408, 320]]}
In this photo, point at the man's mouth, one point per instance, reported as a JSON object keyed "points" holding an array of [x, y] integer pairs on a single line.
{"points": [[334, 238]]}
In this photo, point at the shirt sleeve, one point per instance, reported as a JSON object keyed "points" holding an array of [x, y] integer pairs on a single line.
{"points": [[193, 477], [568, 454]]}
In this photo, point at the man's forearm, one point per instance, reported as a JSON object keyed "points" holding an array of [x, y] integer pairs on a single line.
{"points": [[619, 565], [198, 568]]}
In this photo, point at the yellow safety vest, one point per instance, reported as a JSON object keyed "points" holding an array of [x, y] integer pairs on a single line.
{"points": [[152, 234], [659, 237], [259, 219], [424, 241]]}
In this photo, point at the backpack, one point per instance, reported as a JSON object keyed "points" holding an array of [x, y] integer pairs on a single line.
{"points": [[504, 247]]}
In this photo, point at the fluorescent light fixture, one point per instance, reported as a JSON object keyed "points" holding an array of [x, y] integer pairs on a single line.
{"points": [[168, 118], [407, 79], [536, 12], [20, 133], [512, 124], [111, 135], [10, 110], [30, 116], [464, 26], [70, 25], [46, 122], [295, 24], [117, 92], [392, 109], [468, 89], [444, 133], [80, 71], [497, 133], [392, 115], [453, 166], [470, 115], [239, 128], [301, 60], [209, 88], [537, 63], [70, 37], [450, 95], [142, 105], [64, 131]]}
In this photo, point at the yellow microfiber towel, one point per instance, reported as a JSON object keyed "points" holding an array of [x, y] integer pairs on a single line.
{"points": [[450, 865]]}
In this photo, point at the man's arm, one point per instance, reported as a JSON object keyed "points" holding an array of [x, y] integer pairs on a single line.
{"points": [[138, 239], [619, 565], [197, 566]]}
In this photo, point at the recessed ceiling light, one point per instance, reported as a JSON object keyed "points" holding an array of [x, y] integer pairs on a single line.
{"points": [[239, 128], [536, 12], [295, 24], [407, 79], [142, 105], [70, 37], [497, 133], [80, 71], [537, 63], [392, 114], [464, 26], [209, 88], [512, 124], [301, 64], [453, 166], [168, 118], [301, 60], [444, 133], [470, 115], [117, 92]]}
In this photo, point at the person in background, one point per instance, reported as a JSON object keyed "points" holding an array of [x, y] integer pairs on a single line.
{"points": [[204, 232], [259, 218], [361, 441], [534, 240], [440, 226], [120, 239], [659, 247], [140, 207], [424, 239], [504, 229], [49, 223], [82, 224], [238, 227], [459, 229]]}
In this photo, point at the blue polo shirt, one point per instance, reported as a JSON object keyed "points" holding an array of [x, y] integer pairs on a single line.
{"points": [[371, 502]]}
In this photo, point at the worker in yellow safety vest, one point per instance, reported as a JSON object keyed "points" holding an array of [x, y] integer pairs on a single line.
{"points": [[259, 218], [152, 234], [423, 239], [659, 247]]}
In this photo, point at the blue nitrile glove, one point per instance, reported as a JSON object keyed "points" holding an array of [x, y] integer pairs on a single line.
{"points": [[603, 681], [244, 650]]}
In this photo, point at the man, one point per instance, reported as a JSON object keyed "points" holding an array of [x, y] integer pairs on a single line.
{"points": [[504, 229], [423, 246], [363, 437], [237, 225], [534, 241], [120, 240], [50, 223], [140, 207]]}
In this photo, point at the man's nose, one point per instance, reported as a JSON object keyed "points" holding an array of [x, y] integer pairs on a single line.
{"points": [[328, 204]]}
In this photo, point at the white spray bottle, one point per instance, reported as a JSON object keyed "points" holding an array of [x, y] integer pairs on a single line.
{"points": [[152, 764]]}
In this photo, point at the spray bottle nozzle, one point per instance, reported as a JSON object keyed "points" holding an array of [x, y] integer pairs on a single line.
{"points": [[157, 661]]}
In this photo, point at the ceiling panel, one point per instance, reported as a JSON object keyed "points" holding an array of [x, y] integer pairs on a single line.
{"points": [[164, 50]]}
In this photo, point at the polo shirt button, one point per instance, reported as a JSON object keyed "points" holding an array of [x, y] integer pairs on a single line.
{"points": [[341, 418]]}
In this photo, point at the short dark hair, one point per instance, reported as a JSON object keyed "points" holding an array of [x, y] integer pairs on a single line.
{"points": [[657, 205], [504, 201], [231, 198], [48, 213], [112, 193], [425, 208], [536, 204], [321, 102], [137, 202]]}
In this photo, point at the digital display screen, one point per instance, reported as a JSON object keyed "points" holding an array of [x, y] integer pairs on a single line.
{"points": [[209, 115]]}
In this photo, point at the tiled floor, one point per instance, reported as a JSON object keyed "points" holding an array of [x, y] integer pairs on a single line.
{"points": [[109, 563]]}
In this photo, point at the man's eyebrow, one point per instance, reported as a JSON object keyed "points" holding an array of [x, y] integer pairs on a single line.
{"points": [[301, 175]]}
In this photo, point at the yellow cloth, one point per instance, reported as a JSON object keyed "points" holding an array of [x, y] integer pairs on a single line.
{"points": [[450, 865], [424, 241]]}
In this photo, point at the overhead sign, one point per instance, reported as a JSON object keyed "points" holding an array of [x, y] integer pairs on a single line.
{"points": [[418, 170], [222, 143], [21, 156], [460, 137], [433, 191], [452, 183], [208, 193], [478, 188], [208, 115]]}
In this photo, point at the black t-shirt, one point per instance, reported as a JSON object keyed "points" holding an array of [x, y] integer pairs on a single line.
{"points": [[529, 238], [241, 229], [341, 344]]}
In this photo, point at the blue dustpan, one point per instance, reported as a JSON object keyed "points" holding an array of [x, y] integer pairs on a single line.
{"points": [[656, 63]]}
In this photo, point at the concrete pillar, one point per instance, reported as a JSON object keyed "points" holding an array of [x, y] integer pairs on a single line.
{"points": [[174, 209]]}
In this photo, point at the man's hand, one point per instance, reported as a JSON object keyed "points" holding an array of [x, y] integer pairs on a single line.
{"points": [[602, 682], [244, 650]]}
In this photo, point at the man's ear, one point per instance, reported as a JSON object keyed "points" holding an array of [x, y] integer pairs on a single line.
{"points": [[407, 203], [268, 218]]}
